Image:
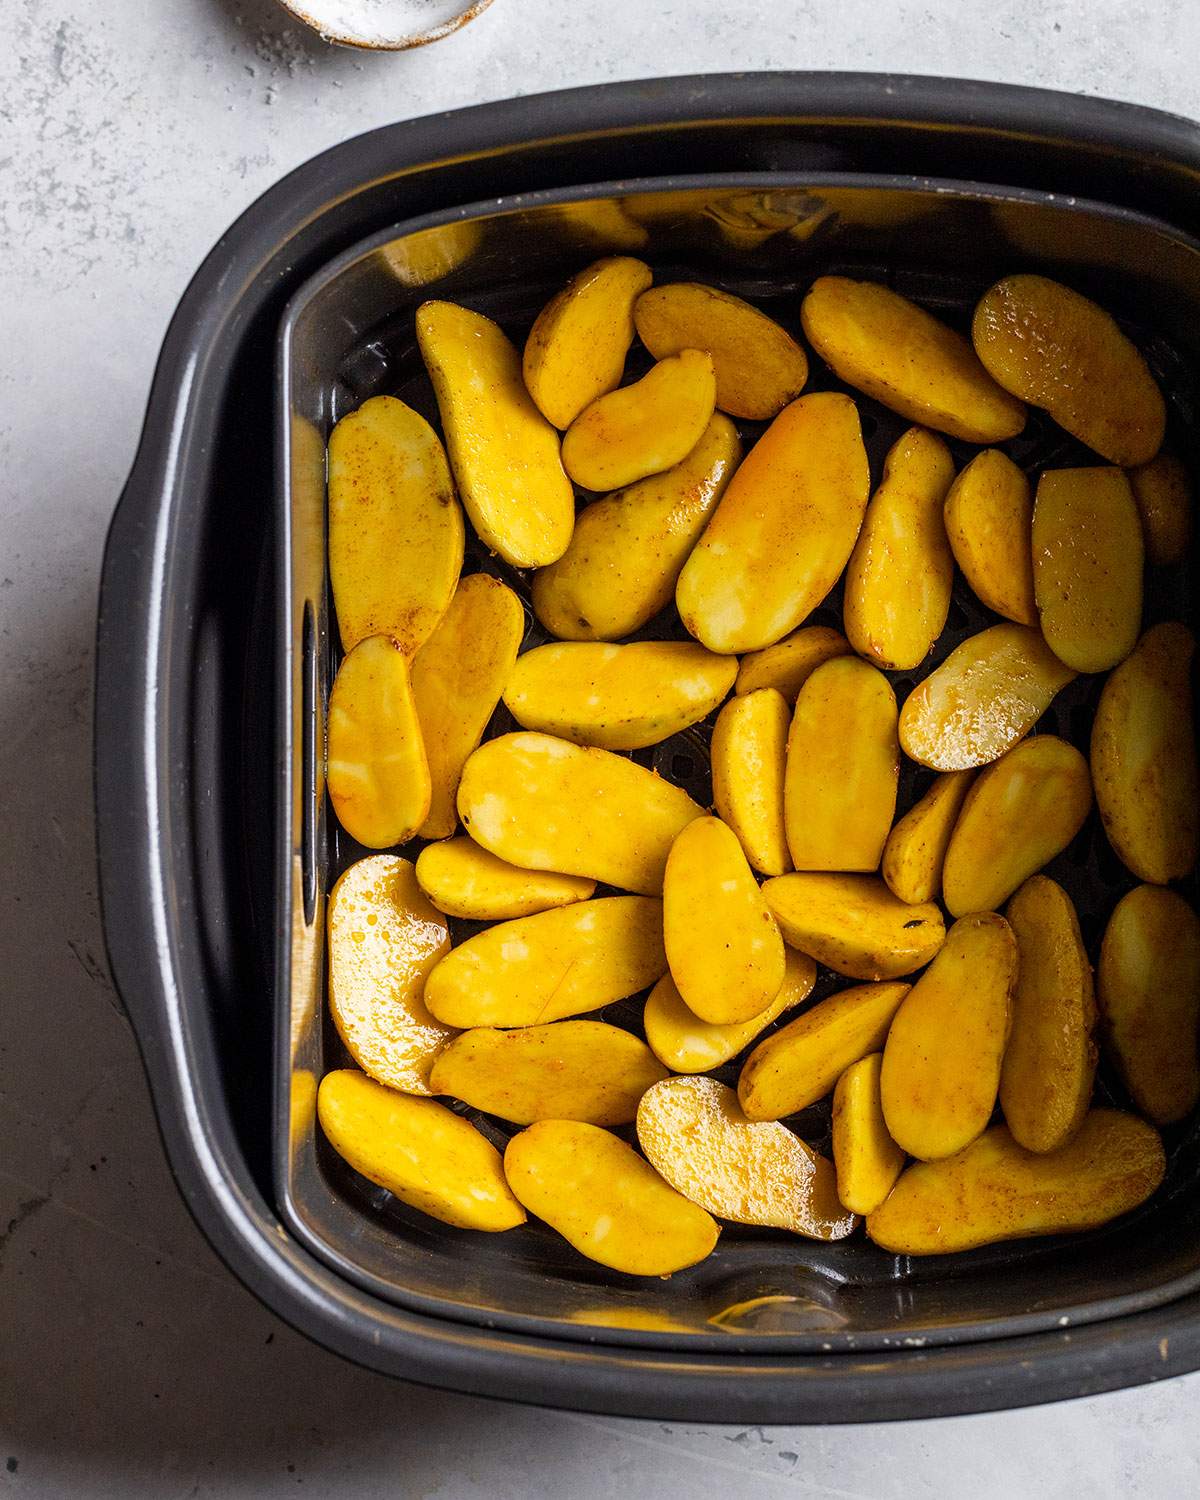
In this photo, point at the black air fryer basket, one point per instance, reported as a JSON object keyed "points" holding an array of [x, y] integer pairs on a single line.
{"points": [[215, 660]]}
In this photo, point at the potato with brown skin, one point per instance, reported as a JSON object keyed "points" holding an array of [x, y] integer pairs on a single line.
{"points": [[893, 350], [916, 847], [788, 664], [854, 925], [867, 1160], [464, 880], [1163, 492], [1020, 812], [1050, 1061], [989, 523], [1148, 986], [996, 1190], [1056, 349], [941, 1062], [748, 755], [1143, 757]]}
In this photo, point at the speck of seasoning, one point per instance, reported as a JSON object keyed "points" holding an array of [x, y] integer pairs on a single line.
{"points": [[11, 1466]]}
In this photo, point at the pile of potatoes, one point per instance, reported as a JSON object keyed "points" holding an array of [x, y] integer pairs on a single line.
{"points": [[968, 985]]}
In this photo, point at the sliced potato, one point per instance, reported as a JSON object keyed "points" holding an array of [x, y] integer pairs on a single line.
{"points": [[723, 945], [783, 531], [868, 1161], [395, 525], [759, 368], [989, 523], [893, 350], [642, 428], [1149, 992], [788, 664], [1144, 757], [1050, 1061], [941, 1063], [988, 694], [570, 1070], [504, 453], [457, 679], [464, 880], [898, 580], [617, 697], [1018, 815], [916, 847], [577, 346], [854, 925], [748, 754], [429, 1157], [1056, 349], [1163, 492], [996, 1190], [376, 770], [603, 1199], [545, 804], [628, 548], [694, 1132], [843, 765], [552, 965]]}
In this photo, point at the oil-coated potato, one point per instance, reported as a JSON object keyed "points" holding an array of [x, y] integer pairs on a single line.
{"points": [[854, 925], [1056, 349], [868, 1161], [603, 1199], [783, 531], [788, 664], [915, 852], [893, 350], [1163, 492], [504, 453], [1144, 757], [723, 945], [941, 1063], [429, 1157], [464, 880], [989, 521], [900, 574], [395, 525], [748, 754]]}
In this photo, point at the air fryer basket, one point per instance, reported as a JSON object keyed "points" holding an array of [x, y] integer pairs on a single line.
{"points": [[209, 838]]}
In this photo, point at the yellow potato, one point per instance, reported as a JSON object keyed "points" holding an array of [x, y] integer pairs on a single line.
{"points": [[628, 548], [617, 697], [570, 1070], [900, 574], [1050, 1061], [854, 925], [376, 770], [464, 880], [1163, 492], [759, 368], [843, 763], [429, 1157], [995, 1190], [603, 1199], [1148, 985], [694, 1132], [1144, 757], [893, 350], [577, 346], [723, 945], [395, 525], [430, 255], [504, 453], [552, 965], [457, 679], [798, 1065], [1087, 566], [868, 1161], [988, 694], [784, 530], [642, 428], [916, 848], [989, 521], [384, 938], [748, 754], [1018, 815], [1056, 349], [686, 1044], [545, 804], [941, 1063], [788, 664]]}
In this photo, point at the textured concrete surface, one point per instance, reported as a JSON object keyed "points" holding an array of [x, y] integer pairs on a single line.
{"points": [[131, 1363]]}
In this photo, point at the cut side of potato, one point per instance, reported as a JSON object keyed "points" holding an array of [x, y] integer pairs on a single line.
{"points": [[1163, 492], [854, 925], [916, 847], [867, 1160], [748, 755], [989, 523], [464, 880], [788, 664]]}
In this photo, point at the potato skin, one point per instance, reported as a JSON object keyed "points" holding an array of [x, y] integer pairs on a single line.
{"points": [[853, 924], [1163, 492], [748, 755], [462, 879], [989, 524], [867, 1160], [915, 851], [789, 663]]}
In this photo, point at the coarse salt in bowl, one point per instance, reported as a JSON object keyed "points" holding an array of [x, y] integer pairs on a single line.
{"points": [[385, 25]]}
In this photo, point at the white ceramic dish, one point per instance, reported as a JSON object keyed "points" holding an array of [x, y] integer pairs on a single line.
{"points": [[384, 25]]}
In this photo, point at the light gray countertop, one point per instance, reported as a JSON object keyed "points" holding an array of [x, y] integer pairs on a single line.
{"points": [[131, 1362]]}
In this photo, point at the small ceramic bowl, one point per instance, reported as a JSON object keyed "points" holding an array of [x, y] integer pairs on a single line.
{"points": [[384, 25]]}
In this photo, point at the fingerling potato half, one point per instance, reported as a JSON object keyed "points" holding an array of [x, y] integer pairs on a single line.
{"points": [[604, 1200], [995, 1190], [545, 804], [854, 925], [462, 879], [788, 664], [915, 851], [429, 1157], [748, 754], [989, 524], [570, 1070], [1056, 349], [893, 350], [867, 1160], [695, 1134], [1163, 492]]}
